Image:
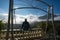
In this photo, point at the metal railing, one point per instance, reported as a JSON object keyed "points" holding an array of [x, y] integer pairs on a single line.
{"points": [[21, 34]]}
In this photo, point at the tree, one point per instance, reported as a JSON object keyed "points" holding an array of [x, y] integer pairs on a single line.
{"points": [[42, 25], [1, 27]]}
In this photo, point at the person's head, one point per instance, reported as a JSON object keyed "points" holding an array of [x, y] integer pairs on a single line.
{"points": [[25, 19]]}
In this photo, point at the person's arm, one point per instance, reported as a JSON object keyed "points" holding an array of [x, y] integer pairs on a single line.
{"points": [[29, 26]]}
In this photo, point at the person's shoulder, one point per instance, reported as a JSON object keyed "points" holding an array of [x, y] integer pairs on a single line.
{"points": [[27, 22], [23, 22]]}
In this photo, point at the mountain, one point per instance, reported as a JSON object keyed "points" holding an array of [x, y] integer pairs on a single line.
{"points": [[45, 16]]}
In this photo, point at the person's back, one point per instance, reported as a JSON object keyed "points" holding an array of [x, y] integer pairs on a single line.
{"points": [[25, 25]]}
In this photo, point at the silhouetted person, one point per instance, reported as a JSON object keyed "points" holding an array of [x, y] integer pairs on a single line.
{"points": [[58, 32], [25, 25]]}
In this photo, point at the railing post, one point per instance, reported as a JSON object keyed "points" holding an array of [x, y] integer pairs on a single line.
{"points": [[47, 21], [11, 1], [53, 23], [8, 27]]}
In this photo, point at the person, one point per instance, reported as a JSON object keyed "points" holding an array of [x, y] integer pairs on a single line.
{"points": [[25, 25]]}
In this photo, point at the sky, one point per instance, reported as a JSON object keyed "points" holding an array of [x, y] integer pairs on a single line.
{"points": [[31, 14]]}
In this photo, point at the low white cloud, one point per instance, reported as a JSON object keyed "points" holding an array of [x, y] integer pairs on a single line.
{"points": [[4, 17], [30, 18], [18, 19], [57, 18]]}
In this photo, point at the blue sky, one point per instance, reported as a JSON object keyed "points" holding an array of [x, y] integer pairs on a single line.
{"points": [[4, 6], [19, 3]]}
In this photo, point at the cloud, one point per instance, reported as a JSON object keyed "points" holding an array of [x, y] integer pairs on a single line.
{"points": [[30, 18], [18, 19], [57, 18], [4, 17]]}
